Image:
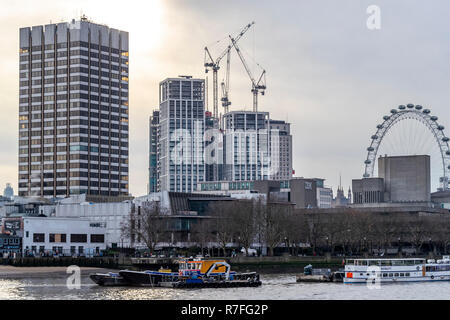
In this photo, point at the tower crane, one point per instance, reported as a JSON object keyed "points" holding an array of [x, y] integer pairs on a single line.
{"points": [[257, 86], [226, 86], [210, 63]]}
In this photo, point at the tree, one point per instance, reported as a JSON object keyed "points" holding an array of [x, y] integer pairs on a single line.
{"points": [[147, 225], [221, 211], [274, 224], [243, 222], [202, 233]]}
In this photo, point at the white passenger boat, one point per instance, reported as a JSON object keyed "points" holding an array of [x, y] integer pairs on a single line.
{"points": [[396, 270]]}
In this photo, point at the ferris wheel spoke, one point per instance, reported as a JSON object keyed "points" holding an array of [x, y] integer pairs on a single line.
{"points": [[410, 130]]}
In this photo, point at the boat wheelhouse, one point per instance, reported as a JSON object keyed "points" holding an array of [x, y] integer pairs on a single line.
{"points": [[396, 270]]}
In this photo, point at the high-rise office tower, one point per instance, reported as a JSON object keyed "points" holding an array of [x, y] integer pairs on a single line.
{"points": [[181, 128], [256, 147], [73, 112], [281, 136], [153, 152], [246, 146]]}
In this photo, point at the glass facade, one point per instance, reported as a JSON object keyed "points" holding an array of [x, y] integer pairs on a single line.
{"points": [[181, 132]]}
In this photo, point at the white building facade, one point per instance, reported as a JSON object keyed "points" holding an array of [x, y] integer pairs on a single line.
{"points": [[62, 236], [109, 215]]}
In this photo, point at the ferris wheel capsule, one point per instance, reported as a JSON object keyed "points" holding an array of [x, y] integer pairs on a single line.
{"points": [[447, 152], [426, 111], [370, 149], [386, 117], [418, 107], [401, 107], [374, 137], [440, 127], [367, 162], [410, 105], [433, 118], [379, 126], [393, 111], [445, 139]]}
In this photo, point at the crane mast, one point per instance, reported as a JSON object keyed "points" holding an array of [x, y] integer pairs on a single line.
{"points": [[212, 64], [257, 86], [226, 86]]}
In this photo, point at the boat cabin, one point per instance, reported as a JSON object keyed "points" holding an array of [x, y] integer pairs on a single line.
{"points": [[199, 266]]}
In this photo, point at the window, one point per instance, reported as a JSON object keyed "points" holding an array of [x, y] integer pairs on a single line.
{"points": [[38, 237], [78, 238], [57, 237], [97, 238]]}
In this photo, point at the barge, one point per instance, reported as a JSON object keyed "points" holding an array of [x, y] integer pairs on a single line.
{"points": [[192, 273], [108, 279]]}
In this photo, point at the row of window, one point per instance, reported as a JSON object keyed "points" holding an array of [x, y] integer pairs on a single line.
{"points": [[76, 174], [73, 183], [395, 274], [74, 87], [74, 44], [51, 80], [81, 165], [47, 64], [61, 237]]}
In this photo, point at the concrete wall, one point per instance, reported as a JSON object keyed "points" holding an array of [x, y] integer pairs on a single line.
{"points": [[368, 190], [406, 178], [111, 215], [303, 193]]}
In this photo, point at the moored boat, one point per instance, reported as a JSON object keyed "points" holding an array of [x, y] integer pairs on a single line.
{"points": [[108, 279], [193, 273], [148, 278], [396, 270]]}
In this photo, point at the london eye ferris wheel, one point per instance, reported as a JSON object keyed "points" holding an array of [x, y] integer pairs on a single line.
{"points": [[422, 135]]}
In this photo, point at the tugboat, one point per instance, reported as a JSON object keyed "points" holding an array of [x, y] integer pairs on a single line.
{"points": [[193, 273]]}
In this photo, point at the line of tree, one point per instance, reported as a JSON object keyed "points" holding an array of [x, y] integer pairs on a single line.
{"points": [[244, 223]]}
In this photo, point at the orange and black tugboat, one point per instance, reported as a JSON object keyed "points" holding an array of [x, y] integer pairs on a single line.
{"points": [[192, 273]]}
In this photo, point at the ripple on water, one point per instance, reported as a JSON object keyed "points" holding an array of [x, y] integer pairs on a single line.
{"points": [[275, 287]]}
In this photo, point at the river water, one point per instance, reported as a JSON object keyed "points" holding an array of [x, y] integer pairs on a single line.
{"points": [[274, 287]]}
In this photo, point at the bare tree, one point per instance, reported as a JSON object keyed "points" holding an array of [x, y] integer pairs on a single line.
{"points": [[274, 224], [243, 221], [147, 224], [221, 212], [296, 231], [202, 233], [418, 231]]}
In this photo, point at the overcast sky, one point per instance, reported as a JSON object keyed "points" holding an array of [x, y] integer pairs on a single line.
{"points": [[327, 73]]}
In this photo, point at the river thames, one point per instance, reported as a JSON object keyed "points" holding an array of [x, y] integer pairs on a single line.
{"points": [[53, 286]]}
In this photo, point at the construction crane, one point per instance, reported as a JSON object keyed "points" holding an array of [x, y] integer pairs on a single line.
{"points": [[257, 86], [210, 63], [226, 86]]}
